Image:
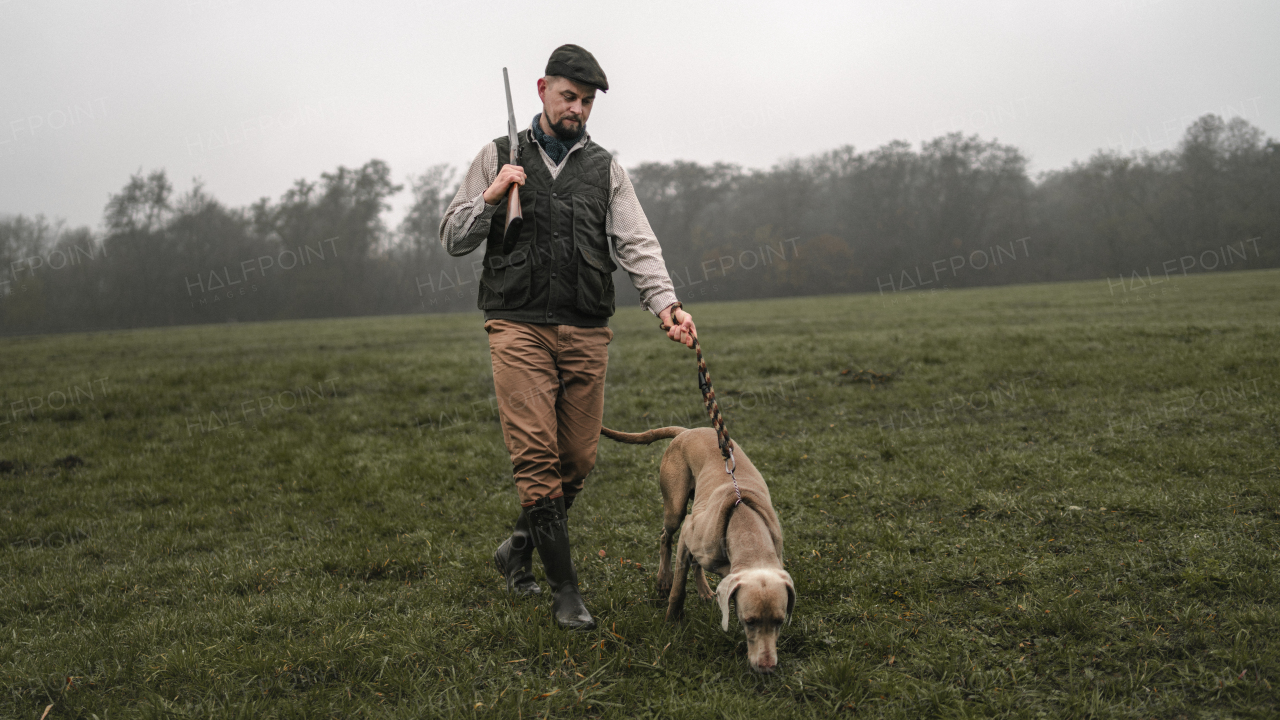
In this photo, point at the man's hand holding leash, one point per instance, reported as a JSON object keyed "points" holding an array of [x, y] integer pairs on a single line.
{"points": [[683, 330]]}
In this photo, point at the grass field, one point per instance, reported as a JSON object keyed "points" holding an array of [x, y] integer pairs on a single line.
{"points": [[1065, 504]]}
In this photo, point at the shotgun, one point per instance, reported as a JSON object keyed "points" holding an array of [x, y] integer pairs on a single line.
{"points": [[515, 218]]}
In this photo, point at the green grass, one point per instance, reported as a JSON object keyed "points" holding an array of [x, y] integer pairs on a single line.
{"points": [[1064, 505]]}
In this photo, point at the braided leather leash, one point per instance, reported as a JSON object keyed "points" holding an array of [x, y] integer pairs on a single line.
{"points": [[713, 409]]}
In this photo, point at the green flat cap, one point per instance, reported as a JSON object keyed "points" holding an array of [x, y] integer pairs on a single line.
{"points": [[577, 64]]}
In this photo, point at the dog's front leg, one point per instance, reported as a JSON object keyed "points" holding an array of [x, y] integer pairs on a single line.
{"points": [[675, 603], [700, 582], [665, 575], [675, 500]]}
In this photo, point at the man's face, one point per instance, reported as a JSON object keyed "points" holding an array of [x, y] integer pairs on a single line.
{"points": [[566, 105]]}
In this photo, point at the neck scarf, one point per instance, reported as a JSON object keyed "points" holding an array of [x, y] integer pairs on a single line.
{"points": [[556, 148]]}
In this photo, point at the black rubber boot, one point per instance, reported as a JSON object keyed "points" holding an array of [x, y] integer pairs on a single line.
{"points": [[514, 559], [550, 528]]}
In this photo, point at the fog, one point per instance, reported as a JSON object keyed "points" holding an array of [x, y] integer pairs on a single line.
{"points": [[244, 101]]}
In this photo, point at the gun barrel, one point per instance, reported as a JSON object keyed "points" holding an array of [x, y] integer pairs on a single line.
{"points": [[511, 117], [515, 218]]}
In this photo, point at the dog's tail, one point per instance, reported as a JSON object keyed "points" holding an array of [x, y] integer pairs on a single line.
{"points": [[643, 438]]}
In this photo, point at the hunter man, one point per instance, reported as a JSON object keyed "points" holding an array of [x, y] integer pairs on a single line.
{"points": [[547, 301]]}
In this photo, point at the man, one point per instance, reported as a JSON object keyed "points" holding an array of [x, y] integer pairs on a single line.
{"points": [[547, 301]]}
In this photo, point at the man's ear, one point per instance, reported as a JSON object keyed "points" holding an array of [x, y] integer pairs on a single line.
{"points": [[724, 593], [791, 593]]}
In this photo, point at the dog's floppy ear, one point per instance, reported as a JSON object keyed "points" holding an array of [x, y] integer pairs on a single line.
{"points": [[724, 593], [791, 593]]}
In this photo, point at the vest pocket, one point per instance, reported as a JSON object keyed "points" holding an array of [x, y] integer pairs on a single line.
{"points": [[506, 280], [595, 282]]}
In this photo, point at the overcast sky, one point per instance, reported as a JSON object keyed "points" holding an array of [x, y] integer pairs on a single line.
{"points": [[250, 95]]}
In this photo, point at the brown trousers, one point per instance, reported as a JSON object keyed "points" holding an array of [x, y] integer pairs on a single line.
{"points": [[549, 382]]}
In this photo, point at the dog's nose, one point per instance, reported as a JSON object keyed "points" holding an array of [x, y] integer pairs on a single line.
{"points": [[766, 665]]}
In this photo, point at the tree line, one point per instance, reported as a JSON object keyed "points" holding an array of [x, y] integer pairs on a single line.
{"points": [[958, 211]]}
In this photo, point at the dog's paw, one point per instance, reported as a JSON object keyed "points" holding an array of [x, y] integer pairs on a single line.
{"points": [[704, 589], [664, 594]]}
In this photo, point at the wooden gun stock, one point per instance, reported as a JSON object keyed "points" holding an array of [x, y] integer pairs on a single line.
{"points": [[515, 218]]}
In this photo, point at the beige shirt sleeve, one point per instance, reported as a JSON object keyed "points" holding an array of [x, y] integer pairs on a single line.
{"points": [[465, 224], [635, 244]]}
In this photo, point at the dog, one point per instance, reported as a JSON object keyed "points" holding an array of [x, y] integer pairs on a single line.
{"points": [[741, 542]]}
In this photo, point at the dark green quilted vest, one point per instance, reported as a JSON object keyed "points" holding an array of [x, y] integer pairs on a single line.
{"points": [[559, 271]]}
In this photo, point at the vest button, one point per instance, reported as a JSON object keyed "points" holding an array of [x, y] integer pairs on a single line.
{"points": [[554, 195], [553, 275], [555, 234]]}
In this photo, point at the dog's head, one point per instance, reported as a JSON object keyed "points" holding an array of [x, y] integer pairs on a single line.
{"points": [[765, 599]]}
